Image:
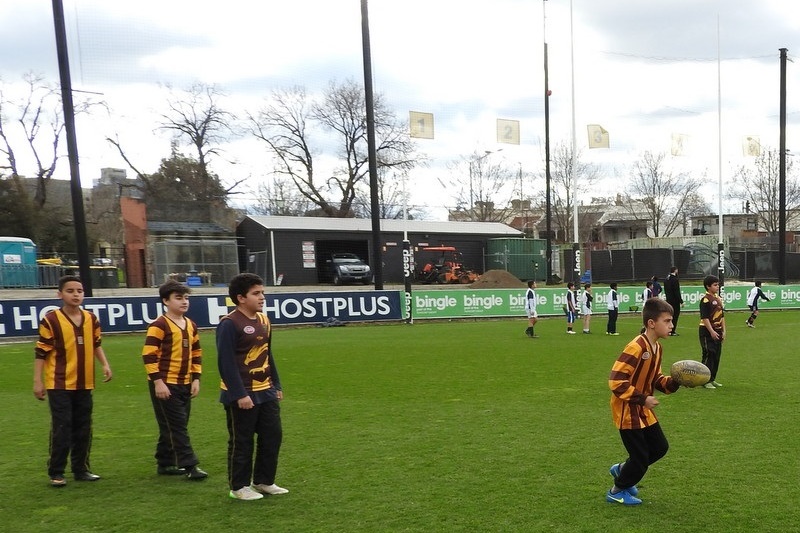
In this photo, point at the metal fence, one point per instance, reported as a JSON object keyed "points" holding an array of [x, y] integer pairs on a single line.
{"points": [[196, 262]]}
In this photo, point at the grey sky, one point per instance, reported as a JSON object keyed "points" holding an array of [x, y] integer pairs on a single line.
{"points": [[644, 70]]}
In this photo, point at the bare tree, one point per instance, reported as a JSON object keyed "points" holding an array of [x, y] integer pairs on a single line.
{"points": [[664, 194], [485, 194], [31, 127], [195, 115], [285, 126], [391, 200], [40, 117], [759, 188], [280, 197], [562, 192]]}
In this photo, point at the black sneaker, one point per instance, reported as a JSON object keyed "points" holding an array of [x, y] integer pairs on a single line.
{"points": [[86, 476], [171, 470], [195, 474]]}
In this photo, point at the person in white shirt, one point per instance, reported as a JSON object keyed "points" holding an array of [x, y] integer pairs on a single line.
{"points": [[530, 308], [647, 293], [586, 306], [752, 302], [613, 310]]}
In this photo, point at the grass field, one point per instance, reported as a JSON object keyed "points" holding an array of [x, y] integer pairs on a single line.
{"points": [[447, 426]]}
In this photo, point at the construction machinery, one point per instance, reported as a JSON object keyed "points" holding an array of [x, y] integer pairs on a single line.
{"points": [[445, 267]]}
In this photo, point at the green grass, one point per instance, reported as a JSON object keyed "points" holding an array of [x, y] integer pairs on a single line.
{"points": [[446, 426]]}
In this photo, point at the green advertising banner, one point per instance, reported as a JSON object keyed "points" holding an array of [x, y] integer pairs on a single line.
{"points": [[465, 303]]}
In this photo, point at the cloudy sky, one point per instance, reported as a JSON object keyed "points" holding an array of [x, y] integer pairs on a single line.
{"points": [[643, 71]]}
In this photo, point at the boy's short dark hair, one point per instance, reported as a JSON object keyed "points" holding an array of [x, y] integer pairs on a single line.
{"points": [[241, 283], [654, 308], [709, 281], [757, 283], [672, 270], [613, 286], [571, 285], [172, 287], [586, 286], [648, 284], [531, 282], [66, 279]]}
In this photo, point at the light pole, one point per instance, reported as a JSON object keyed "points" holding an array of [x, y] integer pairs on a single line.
{"points": [[548, 209]]}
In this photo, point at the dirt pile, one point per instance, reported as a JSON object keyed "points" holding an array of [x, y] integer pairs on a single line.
{"points": [[497, 279]]}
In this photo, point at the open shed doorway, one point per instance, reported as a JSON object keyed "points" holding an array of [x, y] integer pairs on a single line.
{"points": [[324, 249]]}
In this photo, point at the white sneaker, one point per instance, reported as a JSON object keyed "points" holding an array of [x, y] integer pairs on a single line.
{"points": [[709, 385], [269, 489], [245, 493], [716, 384], [570, 332]]}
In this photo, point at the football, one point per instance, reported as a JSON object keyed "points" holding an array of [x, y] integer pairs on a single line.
{"points": [[690, 373]]}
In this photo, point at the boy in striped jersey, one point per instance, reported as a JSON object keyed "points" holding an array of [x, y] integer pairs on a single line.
{"points": [[69, 342], [634, 376], [173, 361]]}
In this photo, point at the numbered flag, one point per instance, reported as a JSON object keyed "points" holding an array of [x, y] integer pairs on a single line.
{"points": [[507, 131], [420, 125], [751, 146], [680, 144], [598, 136]]}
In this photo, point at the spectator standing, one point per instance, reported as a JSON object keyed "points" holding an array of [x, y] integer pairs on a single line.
{"points": [[613, 310], [672, 292]]}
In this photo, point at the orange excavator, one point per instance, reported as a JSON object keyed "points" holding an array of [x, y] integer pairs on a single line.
{"points": [[446, 267]]}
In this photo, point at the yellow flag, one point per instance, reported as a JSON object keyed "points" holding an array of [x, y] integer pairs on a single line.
{"points": [[680, 144], [598, 137], [751, 146], [420, 125]]}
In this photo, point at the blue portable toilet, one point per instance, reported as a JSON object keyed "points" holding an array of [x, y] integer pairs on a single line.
{"points": [[17, 262]]}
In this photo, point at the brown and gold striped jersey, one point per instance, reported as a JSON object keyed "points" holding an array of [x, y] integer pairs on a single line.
{"points": [[68, 350], [172, 353], [634, 376], [711, 308]]}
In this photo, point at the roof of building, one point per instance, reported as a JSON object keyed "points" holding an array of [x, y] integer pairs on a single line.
{"points": [[395, 226], [184, 228]]}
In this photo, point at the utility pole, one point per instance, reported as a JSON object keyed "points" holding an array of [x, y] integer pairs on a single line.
{"points": [[547, 206], [369, 100], [78, 214]]}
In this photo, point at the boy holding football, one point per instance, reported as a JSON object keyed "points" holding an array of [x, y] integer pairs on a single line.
{"points": [[635, 376], [250, 391], [69, 342]]}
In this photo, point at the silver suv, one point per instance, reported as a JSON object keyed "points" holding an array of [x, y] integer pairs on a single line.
{"points": [[349, 268]]}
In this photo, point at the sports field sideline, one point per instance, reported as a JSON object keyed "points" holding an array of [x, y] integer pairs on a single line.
{"points": [[438, 426]]}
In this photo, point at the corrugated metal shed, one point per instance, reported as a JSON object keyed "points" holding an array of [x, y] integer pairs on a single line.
{"points": [[390, 226], [298, 249]]}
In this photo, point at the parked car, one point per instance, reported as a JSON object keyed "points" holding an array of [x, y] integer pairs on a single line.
{"points": [[346, 267]]}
